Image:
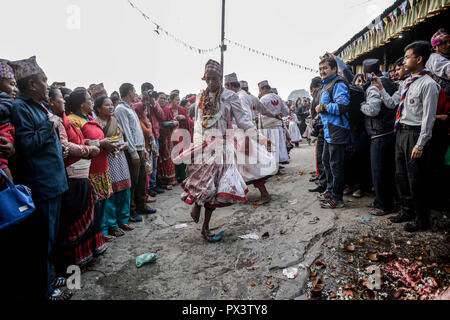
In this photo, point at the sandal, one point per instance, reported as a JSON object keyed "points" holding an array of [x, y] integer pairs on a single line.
{"points": [[378, 212], [59, 295], [126, 227], [109, 238], [118, 233], [59, 282]]}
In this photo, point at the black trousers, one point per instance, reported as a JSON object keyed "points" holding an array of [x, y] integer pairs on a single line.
{"points": [[412, 175], [441, 185], [357, 162], [138, 182], [333, 161], [383, 171], [319, 163]]}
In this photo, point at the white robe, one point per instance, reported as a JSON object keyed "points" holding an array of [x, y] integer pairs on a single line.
{"points": [[273, 128], [293, 129]]}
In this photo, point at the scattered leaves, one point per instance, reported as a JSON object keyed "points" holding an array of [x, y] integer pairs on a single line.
{"points": [[348, 293], [367, 294], [253, 284], [447, 268], [373, 256], [312, 273], [389, 222], [333, 274], [396, 293], [350, 260], [317, 280], [316, 291], [325, 244], [321, 263], [265, 235], [333, 266], [366, 235], [253, 268], [349, 248]]}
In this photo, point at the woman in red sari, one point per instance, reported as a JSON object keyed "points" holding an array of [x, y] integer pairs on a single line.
{"points": [[174, 117]]}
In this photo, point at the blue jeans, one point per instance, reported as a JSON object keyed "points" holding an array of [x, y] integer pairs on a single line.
{"points": [[116, 211], [333, 161], [152, 183]]}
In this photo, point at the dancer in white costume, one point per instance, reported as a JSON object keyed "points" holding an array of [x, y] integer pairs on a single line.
{"points": [[252, 173], [273, 126], [214, 180]]}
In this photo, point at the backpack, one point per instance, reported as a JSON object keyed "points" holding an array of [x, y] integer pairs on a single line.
{"points": [[354, 115]]}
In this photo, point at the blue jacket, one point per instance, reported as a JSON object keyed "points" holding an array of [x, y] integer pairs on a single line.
{"points": [[40, 163], [335, 121]]}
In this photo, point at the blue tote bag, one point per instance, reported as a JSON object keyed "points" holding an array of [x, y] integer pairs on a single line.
{"points": [[16, 203]]}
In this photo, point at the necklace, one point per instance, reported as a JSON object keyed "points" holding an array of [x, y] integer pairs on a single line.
{"points": [[209, 106]]}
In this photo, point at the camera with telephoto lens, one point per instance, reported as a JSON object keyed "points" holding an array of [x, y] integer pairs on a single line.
{"points": [[316, 127]]}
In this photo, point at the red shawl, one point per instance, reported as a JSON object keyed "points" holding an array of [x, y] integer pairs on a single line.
{"points": [[92, 130], [73, 135]]}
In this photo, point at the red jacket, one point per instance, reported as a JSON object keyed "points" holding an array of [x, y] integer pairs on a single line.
{"points": [[156, 117], [92, 130], [6, 131]]}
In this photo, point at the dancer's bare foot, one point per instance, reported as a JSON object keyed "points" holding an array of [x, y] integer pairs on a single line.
{"points": [[207, 234], [265, 196], [195, 213], [263, 200]]}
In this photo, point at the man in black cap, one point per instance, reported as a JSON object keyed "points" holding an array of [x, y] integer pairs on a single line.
{"points": [[379, 122]]}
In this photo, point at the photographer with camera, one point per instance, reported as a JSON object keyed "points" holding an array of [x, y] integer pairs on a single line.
{"points": [[156, 115], [379, 122]]}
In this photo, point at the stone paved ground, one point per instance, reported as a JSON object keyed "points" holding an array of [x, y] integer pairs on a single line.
{"points": [[187, 267]]}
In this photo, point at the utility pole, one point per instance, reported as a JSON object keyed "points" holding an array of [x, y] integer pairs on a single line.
{"points": [[223, 47]]}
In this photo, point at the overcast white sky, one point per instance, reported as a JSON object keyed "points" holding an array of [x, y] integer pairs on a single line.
{"points": [[114, 43]]}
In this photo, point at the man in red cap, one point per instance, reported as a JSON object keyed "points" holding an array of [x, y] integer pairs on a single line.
{"points": [[439, 63]]}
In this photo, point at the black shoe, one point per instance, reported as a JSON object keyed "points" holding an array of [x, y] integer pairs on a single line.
{"points": [[319, 189], [158, 190], [402, 217], [147, 210], [134, 217], [152, 193], [417, 225]]}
